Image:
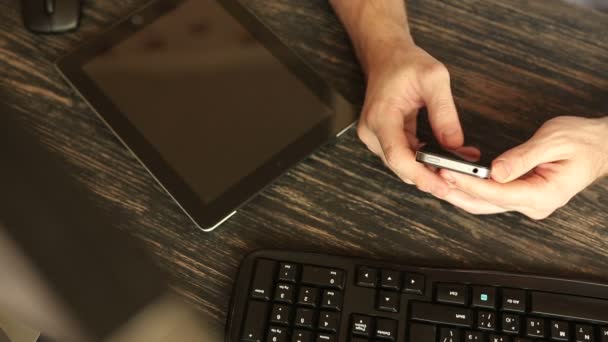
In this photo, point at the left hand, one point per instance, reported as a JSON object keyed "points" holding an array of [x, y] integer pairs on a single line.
{"points": [[536, 178]]}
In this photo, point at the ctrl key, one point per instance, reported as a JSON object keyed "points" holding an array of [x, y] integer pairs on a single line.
{"points": [[255, 321]]}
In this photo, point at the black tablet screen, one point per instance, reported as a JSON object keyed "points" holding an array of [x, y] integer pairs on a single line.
{"points": [[214, 103]]}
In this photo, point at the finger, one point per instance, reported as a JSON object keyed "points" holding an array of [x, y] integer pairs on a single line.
{"points": [[371, 141], [510, 195], [399, 157], [443, 117], [471, 204], [468, 153], [522, 159]]}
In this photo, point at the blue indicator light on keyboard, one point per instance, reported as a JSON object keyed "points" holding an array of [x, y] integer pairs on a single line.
{"points": [[484, 297]]}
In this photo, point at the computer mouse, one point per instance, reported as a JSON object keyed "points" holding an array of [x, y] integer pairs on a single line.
{"points": [[51, 16]]}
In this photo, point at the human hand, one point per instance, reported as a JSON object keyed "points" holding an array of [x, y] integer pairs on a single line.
{"points": [[536, 178], [400, 82]]}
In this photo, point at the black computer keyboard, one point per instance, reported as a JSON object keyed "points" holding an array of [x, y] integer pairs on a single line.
{"points": [[300, 297]]}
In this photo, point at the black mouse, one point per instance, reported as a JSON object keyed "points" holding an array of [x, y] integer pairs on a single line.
{"points": [[51, 16]]}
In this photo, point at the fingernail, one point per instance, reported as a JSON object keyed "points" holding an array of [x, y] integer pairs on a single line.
{"points": [[500, 170]]}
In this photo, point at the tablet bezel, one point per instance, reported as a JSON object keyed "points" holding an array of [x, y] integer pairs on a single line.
{"points": [[206, 216]]}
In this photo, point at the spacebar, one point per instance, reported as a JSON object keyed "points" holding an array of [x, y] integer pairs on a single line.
{"points": [[570, 307]]}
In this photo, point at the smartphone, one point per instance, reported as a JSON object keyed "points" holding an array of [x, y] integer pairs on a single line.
{"points": [[451, 161]]}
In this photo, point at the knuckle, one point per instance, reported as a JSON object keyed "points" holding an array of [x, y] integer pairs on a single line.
{"points": [[437, 71]]}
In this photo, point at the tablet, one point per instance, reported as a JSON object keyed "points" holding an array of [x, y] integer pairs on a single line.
{"points": [[210, 101]]}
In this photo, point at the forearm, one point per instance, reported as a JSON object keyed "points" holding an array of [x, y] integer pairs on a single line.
{"points": [[375, 27]]}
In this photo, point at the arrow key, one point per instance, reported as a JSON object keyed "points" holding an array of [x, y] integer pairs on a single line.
{"points": [[367, 277], [388, 301], [328, 321], [390, 280], [414, 283]]}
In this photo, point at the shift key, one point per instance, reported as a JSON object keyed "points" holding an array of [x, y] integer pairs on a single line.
{"points": [[442, 314], [323, 277]]}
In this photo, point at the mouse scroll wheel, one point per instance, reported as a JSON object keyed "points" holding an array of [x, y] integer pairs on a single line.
{"points": [[49, 6]]}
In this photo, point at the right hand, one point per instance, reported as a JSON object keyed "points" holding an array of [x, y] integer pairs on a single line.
{"points": [[403, 80]]}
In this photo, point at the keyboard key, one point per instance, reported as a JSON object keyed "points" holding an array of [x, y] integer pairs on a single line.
{"points": [[301, 336], [255, 321], [511, 324], [361, 325], [451, 294], [442, 314], [570, 307], [307, 296], [521, 339], [288, 272], [388, 301], [583, 333], [332, 300], [323, 277], [386, 329], [474, 336], [284, 293], [328, 321], [486, 320], [414, 283], [280, 314], [263, 279], [390, 280], [449, 335], [277, 334], [367, 277], [423, 333], [604, 334], [304, 318], [560, 331], [500, 338], [535, 327], [514, 300], [484, 297], [325, 337], [359, 339]]}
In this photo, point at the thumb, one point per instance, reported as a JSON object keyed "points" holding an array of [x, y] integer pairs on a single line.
{"points": [[443, 116], [521, 159]]}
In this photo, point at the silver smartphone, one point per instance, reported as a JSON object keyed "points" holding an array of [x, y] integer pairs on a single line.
{"points": [[451, 161]]}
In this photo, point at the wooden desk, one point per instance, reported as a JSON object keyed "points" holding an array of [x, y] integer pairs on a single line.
{"points": [[514, 64]]}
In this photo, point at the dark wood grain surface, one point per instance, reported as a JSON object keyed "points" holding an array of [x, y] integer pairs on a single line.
{"points": [[514, 64]]}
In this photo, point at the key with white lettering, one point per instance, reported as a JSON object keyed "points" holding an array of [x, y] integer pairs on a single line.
{"points": [[452, 294], [328, 321], [486, 320], [261, 286], [361, 325], [560, 331], [514, 300], [386, 329], [583, 333], [323, 277], [442, 314], [449, 335]]}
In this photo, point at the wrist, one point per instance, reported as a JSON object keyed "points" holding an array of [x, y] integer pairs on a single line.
{"points": [[377, 52]]}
